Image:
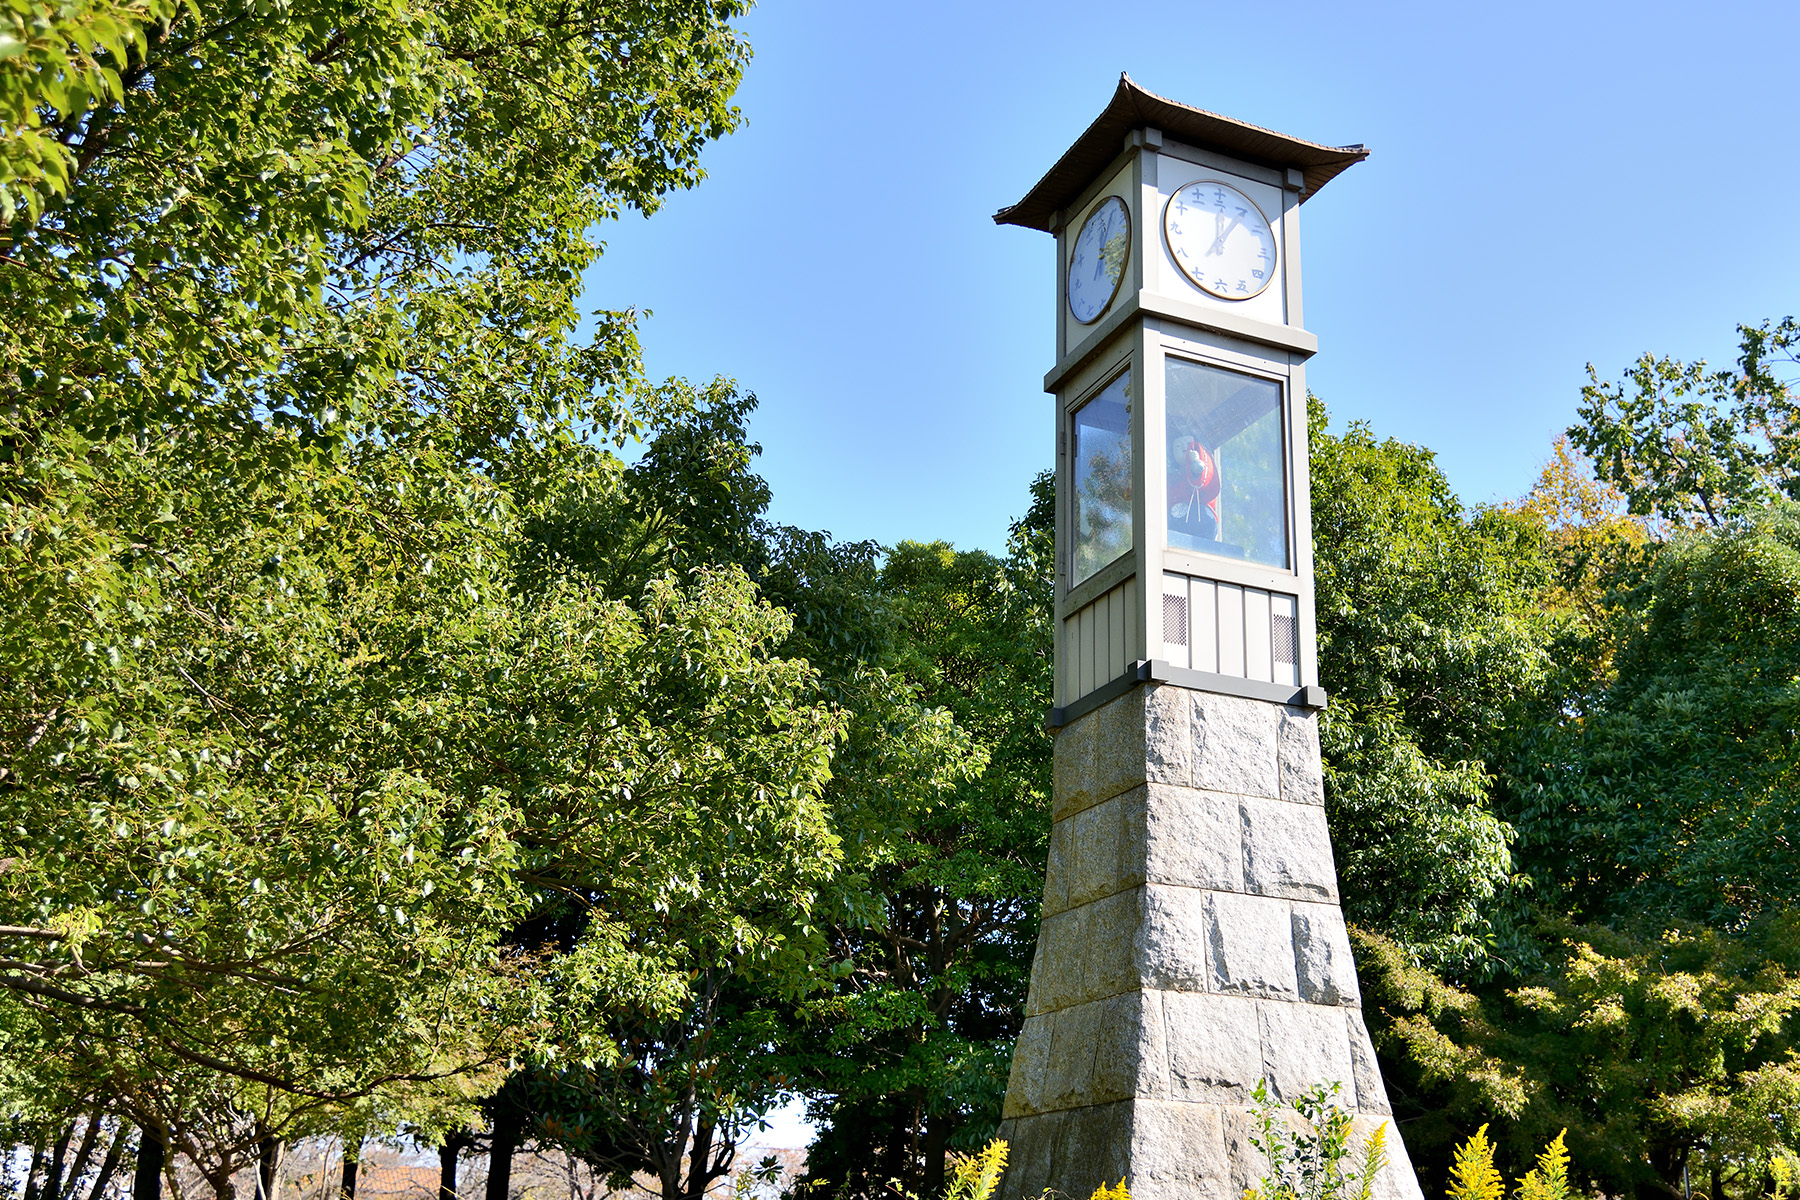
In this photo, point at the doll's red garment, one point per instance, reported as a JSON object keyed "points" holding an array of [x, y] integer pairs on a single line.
{"points": [[1193, 490]]}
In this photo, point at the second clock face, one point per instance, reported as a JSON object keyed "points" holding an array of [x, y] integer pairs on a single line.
{"points": [[1220, 240], [1097, 263]]}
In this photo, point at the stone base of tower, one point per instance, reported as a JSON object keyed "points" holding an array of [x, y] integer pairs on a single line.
{"points": [[1192, 946]]}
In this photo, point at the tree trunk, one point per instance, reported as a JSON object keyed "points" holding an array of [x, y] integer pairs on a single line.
{"points": [[937, 1142], [347, 1188], [505, 1140], [108, 1165], [447, 1165], [78, 1168], [52, 1184], [268, 1167], [699, 1159], [1718, 1178], [147, 1183], [33, 1171]]}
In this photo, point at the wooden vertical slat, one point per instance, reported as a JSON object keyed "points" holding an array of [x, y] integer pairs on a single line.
{"points": [[1256, 636], [1115, 629], [1134, 615], [1097, 637], [1067, 666], [1203, 621], [1091, 632], [1074, 628], [1084, 654], [1231, 630]]}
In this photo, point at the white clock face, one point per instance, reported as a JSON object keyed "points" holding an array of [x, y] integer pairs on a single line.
{"points": [[1098, 262], [1220, 240]]}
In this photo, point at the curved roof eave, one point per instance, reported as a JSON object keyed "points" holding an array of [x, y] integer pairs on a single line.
{"points": [[1132, 108]]}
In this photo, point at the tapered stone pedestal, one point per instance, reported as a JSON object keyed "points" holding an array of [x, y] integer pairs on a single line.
{"points": [[1192, 944]]}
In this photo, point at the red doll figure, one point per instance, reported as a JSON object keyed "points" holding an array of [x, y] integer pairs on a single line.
{"points": [[1193, 490]]}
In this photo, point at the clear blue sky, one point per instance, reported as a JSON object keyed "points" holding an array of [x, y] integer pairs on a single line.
{"points": [[1551, 185]]}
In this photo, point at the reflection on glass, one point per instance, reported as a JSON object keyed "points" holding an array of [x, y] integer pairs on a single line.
{"points": [[1103, 478], [1227, 471]]}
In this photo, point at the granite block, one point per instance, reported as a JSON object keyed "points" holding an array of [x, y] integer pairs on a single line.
{"points": [[1214, 1047], [1287, 850], [1250, 946], [1030, 1065], [1304, 1045], [1172, 942], [1193, 838], [1178, 1153], [1234, 744], [1302, 775], [1322, 961], [1371, 1093]]}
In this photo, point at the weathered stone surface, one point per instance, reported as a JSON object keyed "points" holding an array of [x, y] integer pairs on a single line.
{"points": [[1111, 935], [1250, 946], [1371, 1093], [1169, 745], [1246, 1162], [1214, 1047], [1304, 1045], [1031, 1060], [1131, 1053], [1069, 1067], [1092, 1146], [1055, 964], [1193, 838], [1099, 755], [1234, 744], [1302, 776], [1322, 961], [1105, 847], [1172, 942], [1056, 871], [1178, 1153], [1085, 953], [1030, 1154], [1287, 850]]}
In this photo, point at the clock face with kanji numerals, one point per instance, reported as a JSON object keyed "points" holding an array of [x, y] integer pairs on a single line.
{"points": [[1097, 262], [1220, 239]]}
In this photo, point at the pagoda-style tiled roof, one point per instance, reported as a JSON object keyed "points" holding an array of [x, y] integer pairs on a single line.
{"points": [[1134, 108]]}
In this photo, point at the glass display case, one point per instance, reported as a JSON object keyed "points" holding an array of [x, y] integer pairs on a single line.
{"points": [[1103, 472], [1227, 464]]}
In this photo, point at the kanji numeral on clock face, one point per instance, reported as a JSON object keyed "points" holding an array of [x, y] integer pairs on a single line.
{"points": [[1232, 256]]}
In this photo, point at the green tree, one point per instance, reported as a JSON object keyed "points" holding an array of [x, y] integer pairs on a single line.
{"points": [[1657, 1055], [1667, 797], [302, 724], [1648, 1001], [1430, 638], [912, 1049], [1685, 444]]}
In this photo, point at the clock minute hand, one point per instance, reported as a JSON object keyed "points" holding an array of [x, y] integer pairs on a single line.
{"points": [[1218, 246]]}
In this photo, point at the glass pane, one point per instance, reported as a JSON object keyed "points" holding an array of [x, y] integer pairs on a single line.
{"points": [[1227, 469], [1103, 478]]}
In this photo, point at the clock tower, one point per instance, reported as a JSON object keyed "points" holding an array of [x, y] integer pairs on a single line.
{"points": [[1192, 944]]}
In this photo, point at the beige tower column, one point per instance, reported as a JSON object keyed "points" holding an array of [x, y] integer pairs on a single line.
{"points": [[1192, 945]]}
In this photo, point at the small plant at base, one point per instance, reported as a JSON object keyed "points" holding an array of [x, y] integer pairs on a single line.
{"points": [[1549, 1180], [1309, 1163], [1117, 1191], [1472, 1173], [1781, 1174], [975, 1176]]}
